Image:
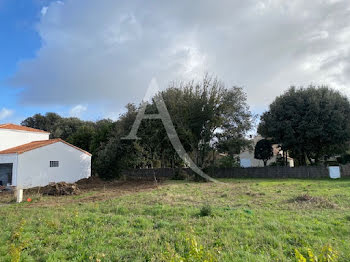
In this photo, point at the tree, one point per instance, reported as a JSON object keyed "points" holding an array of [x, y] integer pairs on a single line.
{"points": [[83, 137], [310, 123], [45, 122], [263, 150], [207, 115], [116, 154]]}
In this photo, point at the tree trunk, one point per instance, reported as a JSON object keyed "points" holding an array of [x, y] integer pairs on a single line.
{"points": [[286, 160]]}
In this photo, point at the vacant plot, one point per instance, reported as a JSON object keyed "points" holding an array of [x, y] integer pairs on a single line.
{"points": [[238, 220]]}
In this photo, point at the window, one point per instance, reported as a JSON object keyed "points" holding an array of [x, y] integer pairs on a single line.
{"points": [[54, 163]]}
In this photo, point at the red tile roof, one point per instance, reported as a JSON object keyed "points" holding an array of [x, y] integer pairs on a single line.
{"points": [[21, 128], [37, 144]]}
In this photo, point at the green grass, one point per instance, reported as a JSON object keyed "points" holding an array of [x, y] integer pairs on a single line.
{"points": [[249, 220]]}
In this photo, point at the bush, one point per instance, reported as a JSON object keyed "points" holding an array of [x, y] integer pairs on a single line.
{"points": [[180, 174], [206, 210], [228, 162], [344, 159], [279, 161]]}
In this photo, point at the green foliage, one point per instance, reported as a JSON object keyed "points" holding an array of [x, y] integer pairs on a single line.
{"points": [[228, 161], [47, 122], [16, 243], [309, 123], [279, 161], [263, 150], [206, 210], [344, 159], [328, 254], [83, 137], [180, 174], [192, 252]]}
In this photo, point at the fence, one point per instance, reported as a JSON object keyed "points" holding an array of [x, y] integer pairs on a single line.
{"points": [[306, 172]]}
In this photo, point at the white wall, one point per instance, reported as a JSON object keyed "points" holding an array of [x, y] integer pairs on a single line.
{"points": [[34, 166], [11, 159], [11, 138]]}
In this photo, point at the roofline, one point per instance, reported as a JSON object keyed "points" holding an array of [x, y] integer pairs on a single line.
{"points": [[26, 131], [52, 141], [64, 142], [9, 154], [34, 130]]}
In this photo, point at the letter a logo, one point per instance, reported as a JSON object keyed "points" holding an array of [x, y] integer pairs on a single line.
{"points": [[163, 114]]}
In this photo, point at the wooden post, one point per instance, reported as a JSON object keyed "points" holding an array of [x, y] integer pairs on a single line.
{"points": [[19, 195]]}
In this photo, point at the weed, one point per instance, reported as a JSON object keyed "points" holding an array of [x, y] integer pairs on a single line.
{"points": [[191, 252], [328, 254], [206, 210], [16, 243]]}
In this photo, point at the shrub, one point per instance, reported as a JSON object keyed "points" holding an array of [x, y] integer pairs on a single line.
{"points": [[180, 174], [228, 162], [344, 159], [206, 210]]}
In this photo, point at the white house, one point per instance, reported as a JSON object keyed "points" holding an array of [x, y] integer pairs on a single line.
{"points": [[28, 158]]}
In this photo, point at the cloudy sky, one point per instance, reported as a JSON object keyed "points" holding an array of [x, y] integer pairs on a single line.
{"points": [[88, 58]]}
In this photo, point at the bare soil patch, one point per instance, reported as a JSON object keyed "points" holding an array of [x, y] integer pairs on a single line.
{"points": [[87, 190]]}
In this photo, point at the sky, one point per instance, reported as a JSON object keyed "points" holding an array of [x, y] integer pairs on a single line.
{"points": [[89, 58]]}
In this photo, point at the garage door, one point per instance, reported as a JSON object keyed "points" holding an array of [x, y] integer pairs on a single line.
{"points": [[5, 174]]}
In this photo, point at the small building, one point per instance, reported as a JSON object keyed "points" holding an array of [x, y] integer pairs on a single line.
{"points": [[247, 156], [28, 158]]}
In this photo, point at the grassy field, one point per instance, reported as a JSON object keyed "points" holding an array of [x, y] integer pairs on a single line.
{"points": [[238, 220]]}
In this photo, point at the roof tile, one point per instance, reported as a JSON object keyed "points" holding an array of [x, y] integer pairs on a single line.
{"points": [[37, 144], [21, 128]]}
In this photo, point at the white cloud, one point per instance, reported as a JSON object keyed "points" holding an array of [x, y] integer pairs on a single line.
{"points": [[44, 10], [110, 50], [5, 113], [77, 110]]}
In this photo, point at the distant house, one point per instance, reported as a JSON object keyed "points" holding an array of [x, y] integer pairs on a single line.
{"points": [[247, 157], [28, 158]]}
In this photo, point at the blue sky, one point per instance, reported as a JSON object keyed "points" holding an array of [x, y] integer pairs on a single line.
{"points": [[89, 58], [19, 41]]}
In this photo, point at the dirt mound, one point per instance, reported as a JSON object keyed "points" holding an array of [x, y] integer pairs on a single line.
{"points": [[60, 189], [92, 180], [304, 198], [315, 201]]}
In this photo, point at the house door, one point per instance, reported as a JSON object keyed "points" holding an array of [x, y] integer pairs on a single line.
{"points": [[6, 174]]}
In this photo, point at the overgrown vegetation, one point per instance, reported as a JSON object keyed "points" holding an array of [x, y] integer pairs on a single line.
{"points": [[206, 210], [252, 220]]}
